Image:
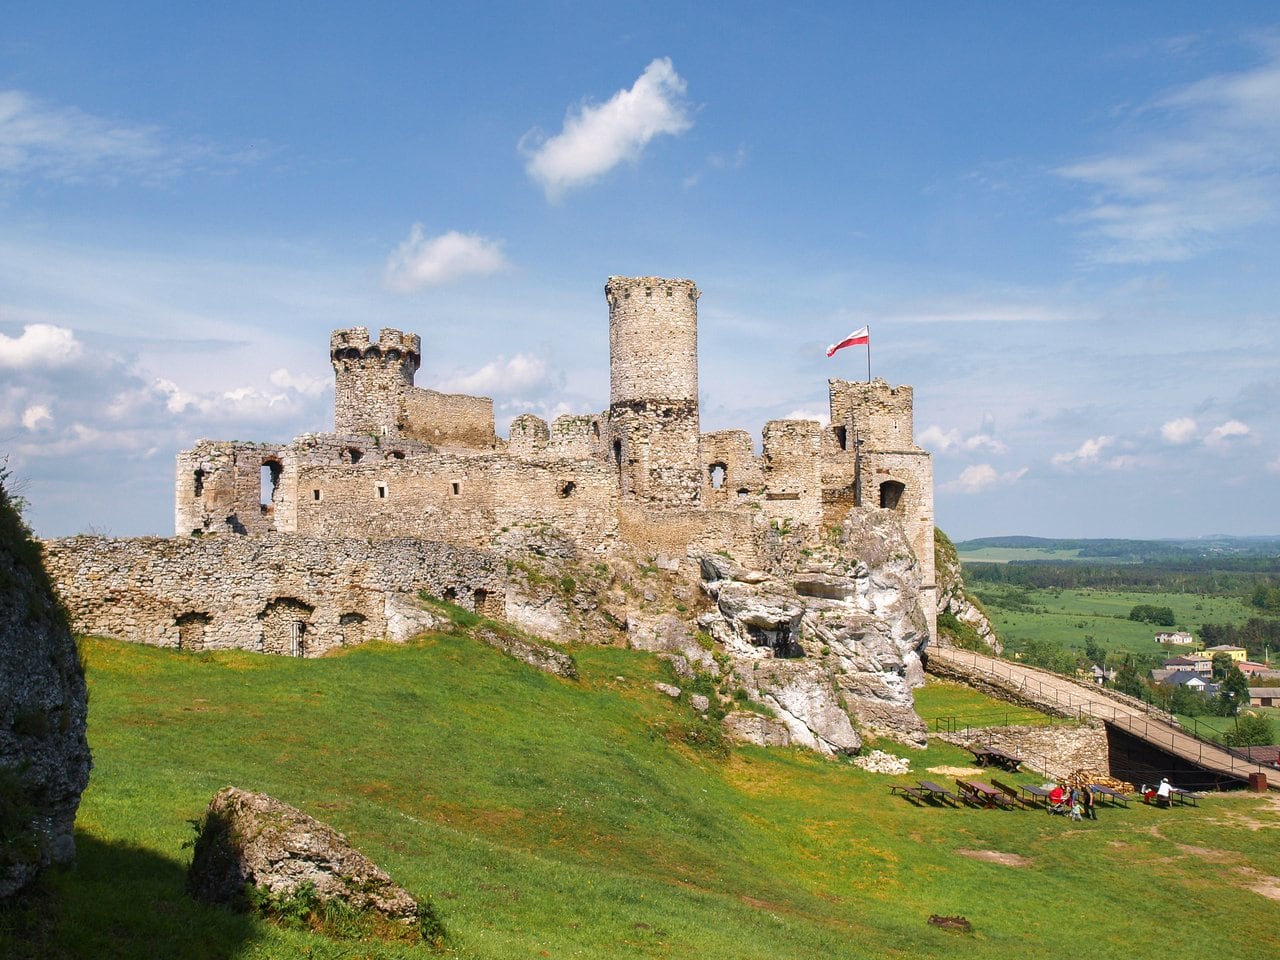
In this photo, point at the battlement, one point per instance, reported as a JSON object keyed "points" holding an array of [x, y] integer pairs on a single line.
{"points": [[872, 412], [392, 345], [624, 288]]}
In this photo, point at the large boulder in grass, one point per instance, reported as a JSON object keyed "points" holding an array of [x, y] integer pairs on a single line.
{"points": [[44, 757], [250, 840]]}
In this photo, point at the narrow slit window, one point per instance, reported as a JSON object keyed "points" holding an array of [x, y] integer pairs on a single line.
{"points": [[382, 491], [456, 488]]}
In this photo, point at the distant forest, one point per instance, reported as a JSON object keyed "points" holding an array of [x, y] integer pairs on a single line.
{"points": [[1248, 567]]}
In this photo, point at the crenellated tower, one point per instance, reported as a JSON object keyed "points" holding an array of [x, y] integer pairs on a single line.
{"points": [[373, 379], [653, 380]]}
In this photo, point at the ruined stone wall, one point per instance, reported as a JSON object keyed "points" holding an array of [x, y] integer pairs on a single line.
{"points": [[528, 436], [372, 379], [447, 419], [456, 498], [1056, 750], [579, 437], [731, 477], [275, 594], [875, 412], [220, 487], [792, 471], [653, 378]]}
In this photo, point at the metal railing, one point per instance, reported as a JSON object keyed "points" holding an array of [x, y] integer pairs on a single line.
{"points": [[1139, 722]]}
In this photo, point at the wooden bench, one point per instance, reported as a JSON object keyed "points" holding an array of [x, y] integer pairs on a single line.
{"points": [[1011, 793], [990, 757], [913, 792], [937, 790]]}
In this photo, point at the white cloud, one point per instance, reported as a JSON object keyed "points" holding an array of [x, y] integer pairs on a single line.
{"points": [[934, 437], [40, 345], [595, 139], [66, 143], [1088, 452], [1179, 431], [307, 386], [1208, 169], [983, 476], [1220, 435], [500, 375], [423, 261], [823, 417], [36, 416]]}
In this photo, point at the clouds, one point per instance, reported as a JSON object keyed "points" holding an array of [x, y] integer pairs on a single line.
{"points": [[935, 438], [982, 477], [1185, 430], [501, 376], [423, 261], [39, 345], [65, 143], [595, 139], [1197, 164], [1089, 452]]}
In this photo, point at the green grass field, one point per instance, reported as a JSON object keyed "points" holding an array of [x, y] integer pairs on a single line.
{"points": [[548, 818], [1066, 617], [1013, 554]]}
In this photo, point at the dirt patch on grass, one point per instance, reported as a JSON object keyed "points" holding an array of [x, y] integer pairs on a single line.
{"points": [[1261, 883], [996, 856], [954, 771], [1205, 853]]}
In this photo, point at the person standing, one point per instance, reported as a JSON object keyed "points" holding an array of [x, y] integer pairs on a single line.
{"points": [[1090, 810], [1164, 793]]}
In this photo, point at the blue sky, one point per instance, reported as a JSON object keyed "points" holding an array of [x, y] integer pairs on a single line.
{"points": [[1057, 222]]}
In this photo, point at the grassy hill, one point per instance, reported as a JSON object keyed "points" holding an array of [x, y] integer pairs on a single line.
{"points": [[597, 818]]}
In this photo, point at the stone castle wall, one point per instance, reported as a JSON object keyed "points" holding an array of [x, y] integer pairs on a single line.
{"points": [[272, 594], [447, 419], [406, 461]]}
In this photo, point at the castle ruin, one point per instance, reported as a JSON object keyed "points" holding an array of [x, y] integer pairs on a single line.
{"points": [[404, 461]]}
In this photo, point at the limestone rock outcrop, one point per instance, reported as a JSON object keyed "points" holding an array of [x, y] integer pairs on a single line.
{"points": [[830, 637], [44, 757], [952, 598], [253, 840]]}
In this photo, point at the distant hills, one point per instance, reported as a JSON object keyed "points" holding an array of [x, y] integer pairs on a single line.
{"points": [[1012, 549]]}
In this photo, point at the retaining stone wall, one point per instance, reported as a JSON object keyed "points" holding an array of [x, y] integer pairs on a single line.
{"points": [[226, 592]]}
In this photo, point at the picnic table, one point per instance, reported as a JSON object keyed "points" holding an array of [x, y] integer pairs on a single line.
{"points": [[1114, 797], [983, 794], [990, 757], [1184, 796], [937, 790], [1038, 794]]}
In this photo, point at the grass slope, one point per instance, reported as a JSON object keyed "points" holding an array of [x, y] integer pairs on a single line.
{"points": [[551, 818]]}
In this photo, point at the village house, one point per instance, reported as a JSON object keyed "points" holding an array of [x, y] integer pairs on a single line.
{"points": [[1179, 638]]}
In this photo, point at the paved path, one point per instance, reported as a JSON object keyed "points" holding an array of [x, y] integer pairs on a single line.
{"points": [[1089, 700]]}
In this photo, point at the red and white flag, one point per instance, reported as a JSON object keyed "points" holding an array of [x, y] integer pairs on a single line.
{"points": [[852, 340]]}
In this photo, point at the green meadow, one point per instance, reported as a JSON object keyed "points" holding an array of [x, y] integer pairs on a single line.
{"points": [[1067, 617], [597, 818]]}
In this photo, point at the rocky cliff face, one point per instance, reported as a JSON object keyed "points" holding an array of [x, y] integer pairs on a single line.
{"points": [[44, 757], [952, 598], [823, 633], [830, 636]]}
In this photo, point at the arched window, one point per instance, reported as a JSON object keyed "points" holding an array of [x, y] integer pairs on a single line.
{"points": [[891, 492]]}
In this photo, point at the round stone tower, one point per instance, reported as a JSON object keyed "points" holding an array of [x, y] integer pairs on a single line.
{"points": [[372, 379], [653, 377]]}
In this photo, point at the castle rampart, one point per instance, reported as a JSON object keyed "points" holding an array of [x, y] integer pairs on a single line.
{"points": [[273, 594]]}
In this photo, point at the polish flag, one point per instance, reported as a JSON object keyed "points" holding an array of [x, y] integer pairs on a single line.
{"points": [[852, 340]]}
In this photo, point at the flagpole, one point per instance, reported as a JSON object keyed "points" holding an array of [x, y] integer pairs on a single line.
{"points": [[868, 354]]}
